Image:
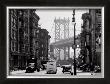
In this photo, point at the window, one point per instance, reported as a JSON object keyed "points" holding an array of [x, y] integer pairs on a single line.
{"points": [[26, 28], [42, 46], [19, 24], [14, 13], [99, 25], [37, 51], [87, 26], [12, 33], [42, 34], [34, 32], [42, 52], [11, 11], [13, 46], [37, 31], [26, 49], [26, 39], [87, 39], [16, 46], [13, 22], [23, 48], [20, 12], [98, 11], [12, 19], [36, 24], [37, 44], [37, 36]]}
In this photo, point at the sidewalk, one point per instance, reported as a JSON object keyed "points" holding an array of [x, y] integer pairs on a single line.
{"points": [[88, 74], [80, 74], [17, 72]]}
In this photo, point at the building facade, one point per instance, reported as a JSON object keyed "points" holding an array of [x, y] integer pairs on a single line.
{"points": [[41, 44], [26, 39], [96, 21], [13, 49], [90, 37], [20, 33], [34, 18]]}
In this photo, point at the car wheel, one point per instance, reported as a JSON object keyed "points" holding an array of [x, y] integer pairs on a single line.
{"points": [[38, 70], [55, 72], [47, 72], [26, 72], [71, 73]]}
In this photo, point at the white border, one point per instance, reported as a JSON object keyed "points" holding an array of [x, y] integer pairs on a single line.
{"points": [[102, 49], [7, 39], [49, 8]]}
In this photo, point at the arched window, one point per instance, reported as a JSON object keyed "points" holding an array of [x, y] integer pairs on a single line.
{"points": [[37, 31]]}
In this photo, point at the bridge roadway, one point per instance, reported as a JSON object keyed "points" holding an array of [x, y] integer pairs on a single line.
{"points": [[65, 42]]}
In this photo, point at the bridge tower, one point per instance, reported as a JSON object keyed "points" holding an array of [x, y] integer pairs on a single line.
{"points": [[61, 32]]}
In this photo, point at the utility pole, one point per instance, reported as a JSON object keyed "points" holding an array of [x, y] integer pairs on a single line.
{"points": [[74, 45]]}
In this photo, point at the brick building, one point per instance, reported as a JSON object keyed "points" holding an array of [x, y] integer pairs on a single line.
{"points": [[26, 39], [91, 32], [41, 44], [21, 24]]}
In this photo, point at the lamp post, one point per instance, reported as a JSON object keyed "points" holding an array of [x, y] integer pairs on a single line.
{"points": [[74, 45]]}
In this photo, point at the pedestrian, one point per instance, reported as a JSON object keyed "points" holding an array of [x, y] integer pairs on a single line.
{"points": [[92, 68]]}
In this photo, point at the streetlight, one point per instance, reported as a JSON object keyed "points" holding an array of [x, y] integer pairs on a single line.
{"points": [[74, 45]]}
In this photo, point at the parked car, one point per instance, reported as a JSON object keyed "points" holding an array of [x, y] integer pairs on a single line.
{"points": [[44, 65], [58, 65], [51, 67], [85, 67], [67, 68], [30, 68], [97, 69], [33, 65]]}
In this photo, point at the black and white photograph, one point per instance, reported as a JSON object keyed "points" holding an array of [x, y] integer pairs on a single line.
{"points": [[55, 42]]}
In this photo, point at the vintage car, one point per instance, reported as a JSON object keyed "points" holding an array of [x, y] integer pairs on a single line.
{"points": [[30, 68], [51, 67], [97, 69], [33, 64], [44, 65], [67, 68]]}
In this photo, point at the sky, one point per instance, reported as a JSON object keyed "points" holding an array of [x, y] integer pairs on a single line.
{"points": [[47, 20]]}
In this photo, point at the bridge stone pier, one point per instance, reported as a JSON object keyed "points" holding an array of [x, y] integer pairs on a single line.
{"points": [[62, 53], [61, 48]]}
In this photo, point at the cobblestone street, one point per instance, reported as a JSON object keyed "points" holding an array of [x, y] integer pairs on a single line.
{"points": [[59, 74]]}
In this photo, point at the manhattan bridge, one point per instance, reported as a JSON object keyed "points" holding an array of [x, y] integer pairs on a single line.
{"points": [[62, 39]]}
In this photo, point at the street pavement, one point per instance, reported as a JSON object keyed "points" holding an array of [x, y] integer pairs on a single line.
{"points": [[59, 74]]}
